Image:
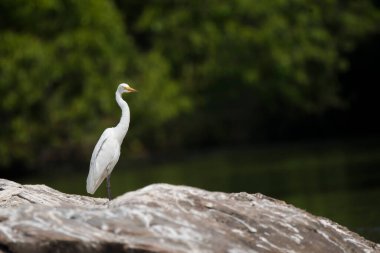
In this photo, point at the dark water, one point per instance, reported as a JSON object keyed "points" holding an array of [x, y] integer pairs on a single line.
{"points": [[337, 180]]}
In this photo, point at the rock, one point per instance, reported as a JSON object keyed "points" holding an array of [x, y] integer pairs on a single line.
{"points": [[163, 218]]}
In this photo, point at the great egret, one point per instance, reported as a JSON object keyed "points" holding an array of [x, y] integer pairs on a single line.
{"points": [[107, 150]]}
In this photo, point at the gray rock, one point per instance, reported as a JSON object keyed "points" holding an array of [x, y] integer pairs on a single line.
{"points": [[163, 218]]}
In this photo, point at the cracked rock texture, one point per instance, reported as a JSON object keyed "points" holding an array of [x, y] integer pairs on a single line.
{"points": [[163, 218]]}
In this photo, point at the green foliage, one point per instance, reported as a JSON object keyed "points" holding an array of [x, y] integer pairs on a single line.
{"points": [[159, 101], [205, 69], [60, 64], [21, 95], [249, 61]]}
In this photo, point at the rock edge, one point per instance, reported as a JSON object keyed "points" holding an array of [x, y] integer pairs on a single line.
{"points": [[164, 218]]}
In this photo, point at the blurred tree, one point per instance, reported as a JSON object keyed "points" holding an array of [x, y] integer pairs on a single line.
{"points": [[60, 63], [252, 65], [209, 71]]}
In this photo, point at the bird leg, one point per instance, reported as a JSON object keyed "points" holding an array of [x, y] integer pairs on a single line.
{"points": [[109, 187]]}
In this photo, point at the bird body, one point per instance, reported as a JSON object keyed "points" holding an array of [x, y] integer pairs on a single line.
{"points": [[107, 151], [104, 158]]}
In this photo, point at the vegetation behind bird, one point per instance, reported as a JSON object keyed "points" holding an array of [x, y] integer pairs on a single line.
{"points": [[213, 72]]}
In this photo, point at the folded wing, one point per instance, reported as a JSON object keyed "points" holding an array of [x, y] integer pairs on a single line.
{"points": [[103, 160]]}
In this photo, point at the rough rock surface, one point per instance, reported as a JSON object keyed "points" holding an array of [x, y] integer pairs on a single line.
{"points": [[163, 218]]}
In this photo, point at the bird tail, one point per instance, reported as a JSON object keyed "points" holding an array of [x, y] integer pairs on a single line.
{"points": [[90, 185], [94, 180]]}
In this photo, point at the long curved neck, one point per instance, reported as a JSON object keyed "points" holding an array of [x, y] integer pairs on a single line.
{"points": [[122, 127]]}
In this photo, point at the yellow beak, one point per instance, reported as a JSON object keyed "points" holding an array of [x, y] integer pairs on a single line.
{"points": [[130, 89]]}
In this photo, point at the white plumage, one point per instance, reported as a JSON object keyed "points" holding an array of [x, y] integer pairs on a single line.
{"points": [[103, 160], [107, 150]]}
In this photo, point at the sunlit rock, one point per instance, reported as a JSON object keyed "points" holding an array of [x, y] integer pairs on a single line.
{"points": [[163, 218]]}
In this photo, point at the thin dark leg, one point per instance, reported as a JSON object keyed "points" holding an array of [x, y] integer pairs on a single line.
{"points": [[109, 187]]}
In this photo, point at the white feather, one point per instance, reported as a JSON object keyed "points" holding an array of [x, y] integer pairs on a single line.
{"points": [[103, 160], [107, 150]]}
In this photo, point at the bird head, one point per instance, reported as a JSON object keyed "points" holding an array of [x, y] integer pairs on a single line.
{"points": [[125, 88]]}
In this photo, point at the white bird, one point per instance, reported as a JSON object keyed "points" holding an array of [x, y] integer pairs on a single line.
{"points": [[107, 150]]}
